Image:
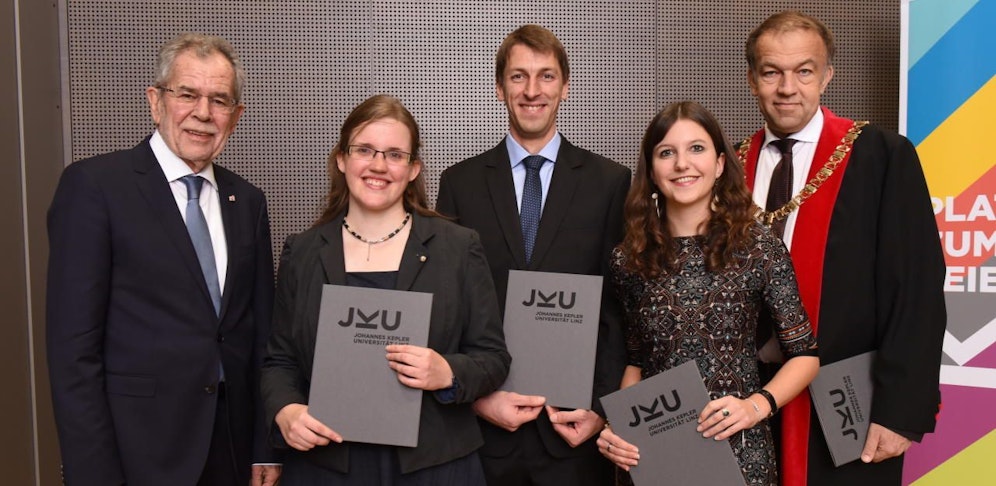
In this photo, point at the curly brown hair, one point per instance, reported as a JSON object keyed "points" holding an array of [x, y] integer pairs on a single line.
{"points": [[647, 246]]}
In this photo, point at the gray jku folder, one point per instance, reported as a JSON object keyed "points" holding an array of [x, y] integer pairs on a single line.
{"points": [[659, 416], [842, 396], [551, 330], [353, 391]]}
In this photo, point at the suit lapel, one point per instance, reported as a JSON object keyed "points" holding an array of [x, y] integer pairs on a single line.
{"points": [[566, 174], [154, 187], [331, 254], [416, 253], [233, 229], [501, 189]]}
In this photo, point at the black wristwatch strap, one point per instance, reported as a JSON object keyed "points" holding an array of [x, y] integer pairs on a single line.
{"points": [[771, 400]]}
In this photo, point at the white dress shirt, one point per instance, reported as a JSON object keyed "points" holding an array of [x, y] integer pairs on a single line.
{"points": [[175, 168], [802, 160]]}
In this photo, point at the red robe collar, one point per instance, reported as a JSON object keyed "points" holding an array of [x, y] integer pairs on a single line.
{"points": [[809, 242]]}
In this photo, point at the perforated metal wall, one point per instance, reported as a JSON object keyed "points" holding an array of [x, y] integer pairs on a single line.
{"points": [[310, 62]]}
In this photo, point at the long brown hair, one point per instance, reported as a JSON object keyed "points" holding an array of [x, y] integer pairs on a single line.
{"points": [[648, 245], [377, 107]]}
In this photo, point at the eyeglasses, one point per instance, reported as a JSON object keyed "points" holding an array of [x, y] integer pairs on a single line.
{"points": [[364, 153], [188, 98]]}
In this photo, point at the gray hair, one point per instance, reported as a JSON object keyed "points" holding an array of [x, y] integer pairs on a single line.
{"points": [[202, 46]]}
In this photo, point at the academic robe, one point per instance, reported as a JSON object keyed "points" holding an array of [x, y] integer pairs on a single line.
{"points": [[871, 271]]}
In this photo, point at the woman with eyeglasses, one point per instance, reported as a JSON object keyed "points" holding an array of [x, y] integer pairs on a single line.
{"points": [[376, 226], [694, 272]]}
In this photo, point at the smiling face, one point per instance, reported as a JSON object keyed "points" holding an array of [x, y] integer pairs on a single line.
{"points": [[685, 168], [792, 72], [195, 132], [376, 185], [532, 88]]}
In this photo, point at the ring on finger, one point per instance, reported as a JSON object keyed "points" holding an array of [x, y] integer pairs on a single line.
{"points": [[725, 412], [608, 448]]}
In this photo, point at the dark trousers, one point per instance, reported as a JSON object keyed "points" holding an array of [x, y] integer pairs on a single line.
{"points": [[377, 465], [532, 465], [220, 468]]}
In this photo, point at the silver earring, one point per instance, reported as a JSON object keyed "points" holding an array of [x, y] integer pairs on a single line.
{"points": [[653, 196]]}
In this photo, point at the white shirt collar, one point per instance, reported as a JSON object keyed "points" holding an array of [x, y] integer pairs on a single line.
{"points": [[809, 134], [173, 166]]}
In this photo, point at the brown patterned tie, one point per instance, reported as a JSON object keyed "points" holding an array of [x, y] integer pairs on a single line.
{"points": [[780, 190]]}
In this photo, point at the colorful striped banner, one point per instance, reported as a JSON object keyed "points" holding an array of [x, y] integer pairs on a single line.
{"points": [[948, 103]]}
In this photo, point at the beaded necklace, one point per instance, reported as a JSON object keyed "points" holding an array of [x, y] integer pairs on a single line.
{"points": [[371, 243]]}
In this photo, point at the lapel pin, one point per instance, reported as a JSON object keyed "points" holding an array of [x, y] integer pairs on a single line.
{"points": [[422, 258], [231, 198]]}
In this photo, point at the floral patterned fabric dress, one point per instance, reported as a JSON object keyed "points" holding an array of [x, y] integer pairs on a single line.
{"points": [[694, 314]]}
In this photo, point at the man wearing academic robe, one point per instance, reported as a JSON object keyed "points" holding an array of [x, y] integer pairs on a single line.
{"points": [[860, 227]]}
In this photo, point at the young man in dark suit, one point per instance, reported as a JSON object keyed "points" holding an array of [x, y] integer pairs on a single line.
{"points": [[540, 203], [864, 244], [160, 291]]}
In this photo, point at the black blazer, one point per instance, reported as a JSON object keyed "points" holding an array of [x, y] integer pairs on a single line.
{"points": [[440, 258], [582, 221], [133, 339]]}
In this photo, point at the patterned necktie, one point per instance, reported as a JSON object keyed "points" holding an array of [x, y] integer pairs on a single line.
{"points": [[780, 190], [201, 238], [532, 202]]}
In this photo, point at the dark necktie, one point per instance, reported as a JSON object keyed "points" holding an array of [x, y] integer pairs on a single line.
{"points": [[780, 189], [201, 238], [532, 202]]}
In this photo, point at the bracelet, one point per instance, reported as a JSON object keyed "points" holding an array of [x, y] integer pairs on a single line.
{"points": [[757, 410], [771, 400]]}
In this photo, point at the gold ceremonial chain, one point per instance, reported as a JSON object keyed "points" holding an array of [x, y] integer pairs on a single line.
{"points": [[371, 243], [768, 218]]}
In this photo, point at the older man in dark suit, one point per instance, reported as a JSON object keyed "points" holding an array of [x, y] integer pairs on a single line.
{"points": [[160, 291], [540, 203]]}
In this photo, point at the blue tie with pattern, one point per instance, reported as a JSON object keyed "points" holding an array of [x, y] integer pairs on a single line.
{"points": [[532, 202], [201, 238]]}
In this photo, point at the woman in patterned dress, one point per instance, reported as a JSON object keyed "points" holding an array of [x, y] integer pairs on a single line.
{"points": [[695, 272]]}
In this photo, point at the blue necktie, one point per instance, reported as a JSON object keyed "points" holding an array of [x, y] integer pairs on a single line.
{"points": [[532, 202], [201, 238]]}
